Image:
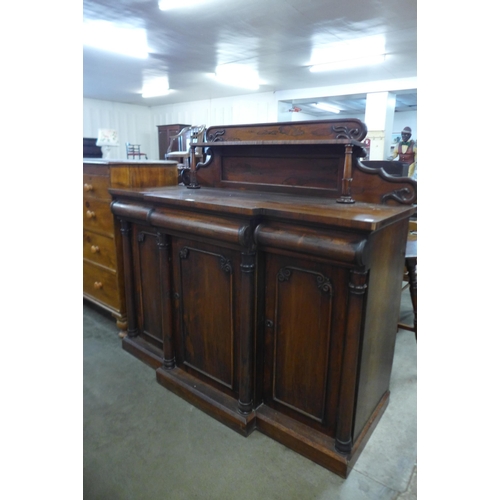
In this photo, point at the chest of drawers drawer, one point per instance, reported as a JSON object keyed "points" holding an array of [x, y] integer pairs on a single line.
{"points": [[99, 249], [96, 186], [101, 284], [97, 216]]}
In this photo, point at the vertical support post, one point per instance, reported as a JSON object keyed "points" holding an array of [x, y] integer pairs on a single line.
{"points": [[166, 301], [193, 183], [126, 231], [347, 177], [247, 328], [357, 289]]}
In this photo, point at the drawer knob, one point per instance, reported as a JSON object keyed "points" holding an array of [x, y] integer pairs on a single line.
{"points": [[90, 214], [97, 285], [88, 187], [94, 249]]}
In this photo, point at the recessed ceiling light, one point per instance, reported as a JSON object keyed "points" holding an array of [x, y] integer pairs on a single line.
{"points": [[176, 4], [347, 53], [238, 75], [326, 107], [155, 87], [348, 63], [104, 35]]}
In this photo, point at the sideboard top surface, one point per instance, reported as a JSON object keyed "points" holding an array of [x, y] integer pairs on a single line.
{"points": [[307, 209]]}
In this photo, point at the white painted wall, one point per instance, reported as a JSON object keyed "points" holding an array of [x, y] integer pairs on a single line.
{"points": [[133, 124], [252, 108], [138, 124]]}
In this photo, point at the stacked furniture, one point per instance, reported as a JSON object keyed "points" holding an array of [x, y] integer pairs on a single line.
{"points": [[267, 291], [102, 248]]}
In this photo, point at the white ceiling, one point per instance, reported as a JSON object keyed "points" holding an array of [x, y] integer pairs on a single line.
{"points": [[276, 37]]}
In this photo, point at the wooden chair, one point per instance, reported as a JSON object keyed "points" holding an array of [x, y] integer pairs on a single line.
{"points": [[184, 139], [134, 151]]}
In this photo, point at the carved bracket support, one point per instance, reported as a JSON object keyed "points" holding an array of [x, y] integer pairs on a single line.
{"points": [[216, 137], [403, 195]]}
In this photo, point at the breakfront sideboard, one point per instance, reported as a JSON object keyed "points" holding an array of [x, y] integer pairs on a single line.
{"points": [[102, 245], [267, 291]]}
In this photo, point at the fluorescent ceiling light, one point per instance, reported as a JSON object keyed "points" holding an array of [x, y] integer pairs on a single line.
{"points": [[238, 75], [155, 87], [175, 4], [104, 35], [326, 107], [343, 54], [348, 63]]}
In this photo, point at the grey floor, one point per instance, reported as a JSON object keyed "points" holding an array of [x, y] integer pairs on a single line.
{"points": [[142, 442]]}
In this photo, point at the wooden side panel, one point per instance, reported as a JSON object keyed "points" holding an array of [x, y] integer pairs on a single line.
{"points": [[382, 313], [157, 175], [206, 286], [144, 175], [373, 185]]}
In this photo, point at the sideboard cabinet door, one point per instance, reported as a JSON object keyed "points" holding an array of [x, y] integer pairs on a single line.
{"points": [[303, 333], [147, 281], [206, 283]]}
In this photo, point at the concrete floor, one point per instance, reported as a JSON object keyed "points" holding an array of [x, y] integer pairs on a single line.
{"points": [[141, 442]]}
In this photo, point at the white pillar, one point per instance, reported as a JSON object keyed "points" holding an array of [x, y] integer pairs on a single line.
{"points": [[379, 118]]}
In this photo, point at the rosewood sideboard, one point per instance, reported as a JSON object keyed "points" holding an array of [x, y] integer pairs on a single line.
{"points": [[102, 246], [267, 292]]}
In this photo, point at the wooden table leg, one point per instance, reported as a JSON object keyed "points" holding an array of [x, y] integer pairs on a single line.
{"points": [[411, 265]]}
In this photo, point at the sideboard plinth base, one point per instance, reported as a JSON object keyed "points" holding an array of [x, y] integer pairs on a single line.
{"points": [[211, 401]]}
